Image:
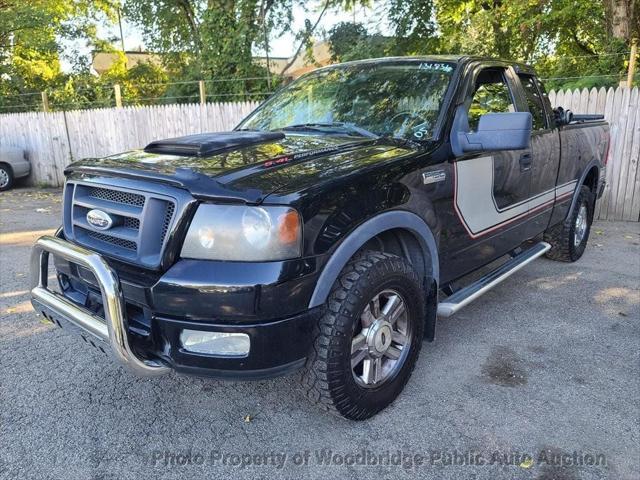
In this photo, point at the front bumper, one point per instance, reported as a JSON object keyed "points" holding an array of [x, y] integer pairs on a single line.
{"points": [[277, 345], [114, 328]]}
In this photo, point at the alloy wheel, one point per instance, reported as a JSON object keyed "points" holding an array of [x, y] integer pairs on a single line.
{"points": [[581, 224], [381, 340]]}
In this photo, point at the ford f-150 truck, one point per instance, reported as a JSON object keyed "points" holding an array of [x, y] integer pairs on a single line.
{"points": [[328, 231]]}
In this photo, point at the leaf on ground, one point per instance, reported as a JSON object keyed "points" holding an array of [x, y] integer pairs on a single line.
{"points": [[527, 463], [248, 418]]}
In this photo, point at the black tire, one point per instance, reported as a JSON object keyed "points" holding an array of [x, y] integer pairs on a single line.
{"points": [[562, 237], [6, 177], [327, 378]]}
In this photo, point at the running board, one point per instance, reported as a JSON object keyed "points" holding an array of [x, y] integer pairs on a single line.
{"points": [[468, 294]]}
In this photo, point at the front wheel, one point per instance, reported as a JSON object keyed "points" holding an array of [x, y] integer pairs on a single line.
{"points": [[367, 343], [569, 239]]}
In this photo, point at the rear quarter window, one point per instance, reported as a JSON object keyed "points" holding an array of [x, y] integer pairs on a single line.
{"points": [[534, 101]]}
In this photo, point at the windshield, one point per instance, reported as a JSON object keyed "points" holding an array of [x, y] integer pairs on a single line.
{"points": [[400, 99]]}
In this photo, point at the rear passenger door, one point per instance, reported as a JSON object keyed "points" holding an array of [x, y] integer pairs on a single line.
{"points": [[545, 156]]}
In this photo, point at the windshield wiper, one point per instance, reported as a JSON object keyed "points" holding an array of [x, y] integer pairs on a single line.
{"points": [[335, 126]]}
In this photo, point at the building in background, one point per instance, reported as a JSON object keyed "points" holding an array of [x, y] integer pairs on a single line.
{"points": [[102, 61], [276, 64], [321, 56]]}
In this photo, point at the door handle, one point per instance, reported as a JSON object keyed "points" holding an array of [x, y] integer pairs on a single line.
{"points": [[525, 162]]}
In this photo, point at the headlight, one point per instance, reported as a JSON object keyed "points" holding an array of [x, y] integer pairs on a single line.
{"points": [[242, 233]]}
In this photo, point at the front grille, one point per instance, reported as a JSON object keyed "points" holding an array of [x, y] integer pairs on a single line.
{"points": [[140, 224], [128, 244], [117, 196], [132, 223], [167, 220]]}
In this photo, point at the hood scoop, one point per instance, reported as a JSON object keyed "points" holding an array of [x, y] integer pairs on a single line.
{"points": [[207, 144]]}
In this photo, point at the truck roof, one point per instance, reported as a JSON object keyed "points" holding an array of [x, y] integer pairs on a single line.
{"points": [[459, 59]]}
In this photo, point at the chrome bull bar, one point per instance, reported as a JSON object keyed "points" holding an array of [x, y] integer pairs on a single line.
{"points": [[113, 329]]}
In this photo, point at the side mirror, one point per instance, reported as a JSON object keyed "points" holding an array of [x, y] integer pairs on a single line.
{"points": [[562, 116], [497, 131]]}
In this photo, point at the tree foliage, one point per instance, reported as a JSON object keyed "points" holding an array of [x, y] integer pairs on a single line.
{"points": [[351, 41], [574, 43], [211, 40], [29, 47], [580, 43], [414, 26]]}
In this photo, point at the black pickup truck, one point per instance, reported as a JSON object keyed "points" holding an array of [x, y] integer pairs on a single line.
{"points": [[327, 232]]}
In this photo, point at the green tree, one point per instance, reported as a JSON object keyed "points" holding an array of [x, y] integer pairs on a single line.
{"points": [[31, 36], [351, 41], [211, 40], [343, 37], [571, 41], [574, 43], [577, 43], [414, 26], [142, 84]]}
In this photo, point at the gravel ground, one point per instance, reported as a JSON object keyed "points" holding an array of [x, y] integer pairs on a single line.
{"points": [[542, 368]]}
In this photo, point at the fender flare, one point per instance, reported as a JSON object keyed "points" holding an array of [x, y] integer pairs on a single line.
{"points": [[366, 231], [583, 176]]}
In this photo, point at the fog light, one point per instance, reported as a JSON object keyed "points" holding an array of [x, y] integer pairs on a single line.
{"points": [[216, 343]]}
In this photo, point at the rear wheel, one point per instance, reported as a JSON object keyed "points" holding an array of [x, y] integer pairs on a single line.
{"points": [[367, 342], [6, 177], [569, 239]]}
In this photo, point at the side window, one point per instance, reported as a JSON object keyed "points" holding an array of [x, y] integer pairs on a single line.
{"points": [[546, 102], [534, 101], [491, 95]]}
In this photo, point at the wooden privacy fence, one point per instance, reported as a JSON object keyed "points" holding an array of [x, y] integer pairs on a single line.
{"points": [[53, 140], [621, 199]]}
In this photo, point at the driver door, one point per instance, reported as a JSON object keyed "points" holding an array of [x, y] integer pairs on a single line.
{"points": [[491, 188]]}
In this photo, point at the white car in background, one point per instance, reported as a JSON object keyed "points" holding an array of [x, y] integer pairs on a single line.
{"points": [[13, 164]]}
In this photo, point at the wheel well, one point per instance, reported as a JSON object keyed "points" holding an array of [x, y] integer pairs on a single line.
{"points": [[400, 232], [403, 243], [591, 180], [8, 165]]}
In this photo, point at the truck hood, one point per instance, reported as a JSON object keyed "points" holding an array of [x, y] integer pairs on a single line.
{"points": [[249, 173]]}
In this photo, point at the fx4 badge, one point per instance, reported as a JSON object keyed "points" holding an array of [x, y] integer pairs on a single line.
{"points": [[433, 177]]}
